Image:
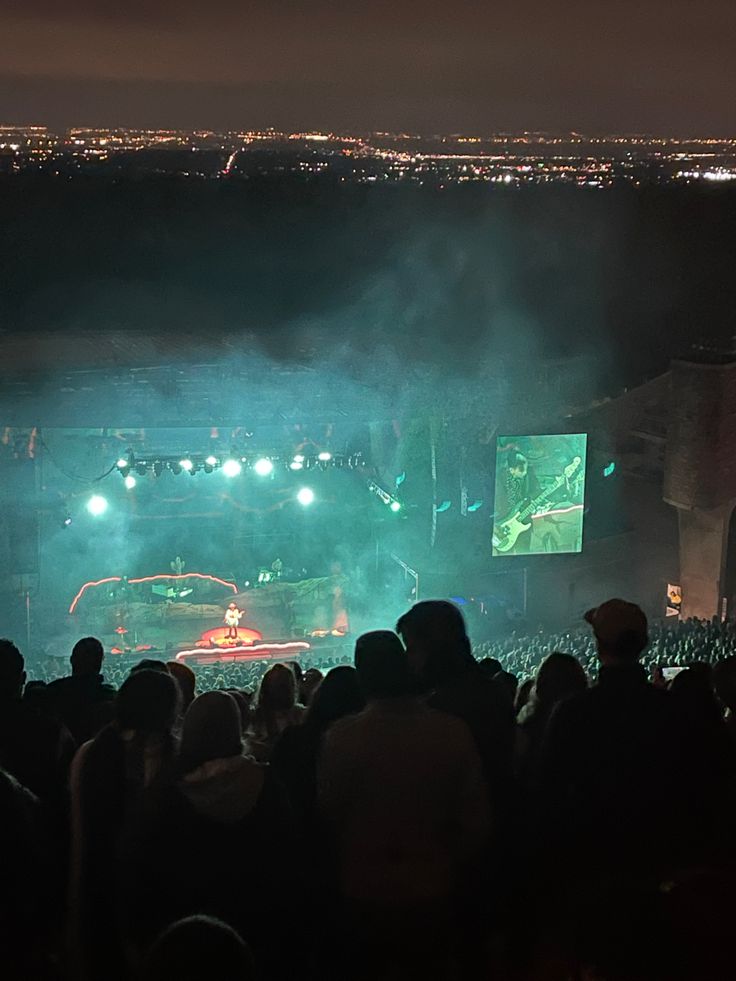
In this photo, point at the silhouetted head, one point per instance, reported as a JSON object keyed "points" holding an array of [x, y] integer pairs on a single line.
{"points": [[509, 682], [199, 948], [620, 629], [186, 679], [490, 666], [212, 730], [560, 675], [87, 655], [437, 642], [382, 665], [724, 679], [12, 673], [278, 689], [147, 702], [339, 694], [150, 664]]}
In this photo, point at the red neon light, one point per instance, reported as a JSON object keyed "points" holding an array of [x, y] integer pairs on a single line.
{"points": [[82, 591], [185, 575], [296, 645]]}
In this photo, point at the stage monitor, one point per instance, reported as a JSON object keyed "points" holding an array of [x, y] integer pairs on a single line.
{"points": [[540, 494]]}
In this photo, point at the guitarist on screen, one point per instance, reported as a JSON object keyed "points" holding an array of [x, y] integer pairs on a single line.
{"points": [[519, 485], [521, 498]]}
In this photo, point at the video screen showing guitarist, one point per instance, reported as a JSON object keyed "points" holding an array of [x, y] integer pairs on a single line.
{"points": [[539, 494], [519, 486]]}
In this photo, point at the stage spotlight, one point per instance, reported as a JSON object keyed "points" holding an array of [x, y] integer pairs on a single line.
{"points": [[66, 521], [211, 461], [296, 464], [305, 496], [130, 481], [97, 505], [123, 463], [231, 468], [324, 456], [395, 506], [263, 467], [186, 465]]}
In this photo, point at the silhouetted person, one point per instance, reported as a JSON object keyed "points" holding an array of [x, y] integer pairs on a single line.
{"points": [[83, 701], [186, 679], [622, 774], [276, 709], [559, 676], [440, 658], [297, 750], [393, 780], [25, 897], [220, 796], [35, 749], [109, 775], [199, 948], [724, 679]]}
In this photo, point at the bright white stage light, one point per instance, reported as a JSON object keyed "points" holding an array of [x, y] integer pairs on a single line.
{"points": [[231, 468], [305, 496], [122, 463], [324, 456], [186, 464], [97, 505], [263, 467], [395, 506], [296, 464], [211, 461], [130, 481]]}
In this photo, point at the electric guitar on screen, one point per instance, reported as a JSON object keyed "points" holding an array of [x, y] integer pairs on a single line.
{"points": [[506, 532]]}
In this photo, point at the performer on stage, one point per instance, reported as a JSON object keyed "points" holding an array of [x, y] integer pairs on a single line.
{"points": [[232, 619]]}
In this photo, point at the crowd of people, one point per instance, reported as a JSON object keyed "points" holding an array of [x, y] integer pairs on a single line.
{"points": [[554, 806]]}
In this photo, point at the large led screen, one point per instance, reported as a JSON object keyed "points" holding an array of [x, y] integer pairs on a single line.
{"points": [[540, 494]]}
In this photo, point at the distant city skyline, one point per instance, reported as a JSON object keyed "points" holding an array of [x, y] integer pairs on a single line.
{"points": [[664, 66]]}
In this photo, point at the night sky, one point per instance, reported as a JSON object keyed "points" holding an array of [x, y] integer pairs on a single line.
{"points": [[663, 66]]}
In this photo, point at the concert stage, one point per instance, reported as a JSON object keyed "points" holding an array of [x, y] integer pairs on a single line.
{"points": [[185, 617]]}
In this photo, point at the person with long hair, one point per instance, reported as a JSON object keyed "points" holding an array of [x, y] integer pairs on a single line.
{"points": [[109, 774], [276, 709]]}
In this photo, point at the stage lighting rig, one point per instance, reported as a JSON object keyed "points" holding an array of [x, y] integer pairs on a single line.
{"points": [[383, 495]]}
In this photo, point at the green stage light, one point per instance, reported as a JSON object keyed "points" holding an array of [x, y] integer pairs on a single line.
{"points": [[305, 496], [231, 468], [97, 505], [395, 506]]}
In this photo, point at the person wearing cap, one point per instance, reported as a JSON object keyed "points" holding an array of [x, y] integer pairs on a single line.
{"points": [[620, 767]]}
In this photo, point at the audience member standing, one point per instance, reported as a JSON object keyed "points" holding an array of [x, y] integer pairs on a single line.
{"points": [[34, 749], [109, 774], [402, 790], [297, 751], [276, 709], [83, 701], [220, 796], [622, 777], [440, 658]]}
